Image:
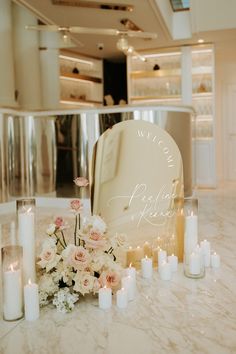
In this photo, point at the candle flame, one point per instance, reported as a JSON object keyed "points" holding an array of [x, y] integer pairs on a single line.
{"points": [[130, 265], [29, 281], [191, 213], [28, 210], [13, 266], [182, 211], [146, 257], [138, 246]]}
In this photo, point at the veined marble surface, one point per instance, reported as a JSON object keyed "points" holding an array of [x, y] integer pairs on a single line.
{"points": [[179, 316]]}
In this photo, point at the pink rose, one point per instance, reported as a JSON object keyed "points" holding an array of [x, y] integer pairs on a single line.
{"points": [[79, 258], [76, 205], [58, 222], [81, 182], [110, 279], [94, 240]]}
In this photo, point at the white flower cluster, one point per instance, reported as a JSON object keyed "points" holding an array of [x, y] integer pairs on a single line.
{"points": [[67, 270], [64, 300]]}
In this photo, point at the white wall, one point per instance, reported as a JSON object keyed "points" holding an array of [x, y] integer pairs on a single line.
{"points": [[225, 66], [209, 15]]}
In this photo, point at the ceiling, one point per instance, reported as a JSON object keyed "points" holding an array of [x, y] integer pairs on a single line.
{"points": [[145, 15]]}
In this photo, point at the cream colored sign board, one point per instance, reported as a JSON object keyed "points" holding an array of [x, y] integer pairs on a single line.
{"points": [[137, 178]]}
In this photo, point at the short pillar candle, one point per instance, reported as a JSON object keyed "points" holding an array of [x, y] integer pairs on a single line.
{"points": [[146, 266], [173, 260], [105, 298], [31, 300], [121, 298]]}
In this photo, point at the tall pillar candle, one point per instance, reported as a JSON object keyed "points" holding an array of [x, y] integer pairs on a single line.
{"points": [[191, 233], [26, 234], [180, 220]]}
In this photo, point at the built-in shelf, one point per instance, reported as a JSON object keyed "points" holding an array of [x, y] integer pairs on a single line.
{"points": [[155, 73], [142, 98], [202, 70], [81, 80], [200, 95], [80, 77], [183, 76], [75, 100]]}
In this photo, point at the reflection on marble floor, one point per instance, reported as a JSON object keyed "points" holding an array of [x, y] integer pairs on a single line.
{"points": [[179, 316]]}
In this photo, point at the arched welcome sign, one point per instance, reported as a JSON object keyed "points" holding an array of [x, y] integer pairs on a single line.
{"points": [[137, 179]]}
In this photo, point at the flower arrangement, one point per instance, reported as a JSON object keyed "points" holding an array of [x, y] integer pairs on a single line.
{"points": [[81, 265]]}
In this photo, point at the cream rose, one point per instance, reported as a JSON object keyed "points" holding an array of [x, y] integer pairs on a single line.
{"points": [[76, 256], [48, 257], [84, 282], [109, 278]]}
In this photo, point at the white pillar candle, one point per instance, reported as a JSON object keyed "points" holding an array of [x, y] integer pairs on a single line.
{"points": [[162, 257], [165, 271], [122, 298], [31, 300], [190, 233], [131, 271], [173, 260], [12, 294], [128, 283], [205, 246], [104, 298], [195, 263], [27, 241], [215, 260], [146, 267]]}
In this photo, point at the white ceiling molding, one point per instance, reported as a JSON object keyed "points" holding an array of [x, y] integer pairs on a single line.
{"points": [[177, 23]]}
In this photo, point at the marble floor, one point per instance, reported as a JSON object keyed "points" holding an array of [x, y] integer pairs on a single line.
{"points": [[181, 316]]}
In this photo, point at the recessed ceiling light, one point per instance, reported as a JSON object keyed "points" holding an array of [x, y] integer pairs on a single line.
{"points": [[200, 40]]}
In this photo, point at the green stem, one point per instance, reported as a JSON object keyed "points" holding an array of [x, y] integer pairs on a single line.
{"points": [[63, 237], [110, 250], [58, 240], [75, 232]]}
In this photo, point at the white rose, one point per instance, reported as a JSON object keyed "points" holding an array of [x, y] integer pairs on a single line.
{"points": [[48, 258], [47, 285], [64, 273], [51, 229], [96, 223], [84, 282]]}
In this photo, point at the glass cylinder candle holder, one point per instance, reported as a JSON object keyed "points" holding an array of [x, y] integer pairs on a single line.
{"points": [[12, 290], [193, 258], [26, 234]]}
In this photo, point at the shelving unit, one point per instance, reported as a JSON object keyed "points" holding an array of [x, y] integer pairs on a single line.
{"points": [[159, 77], [81, 80], [164, 78]]}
